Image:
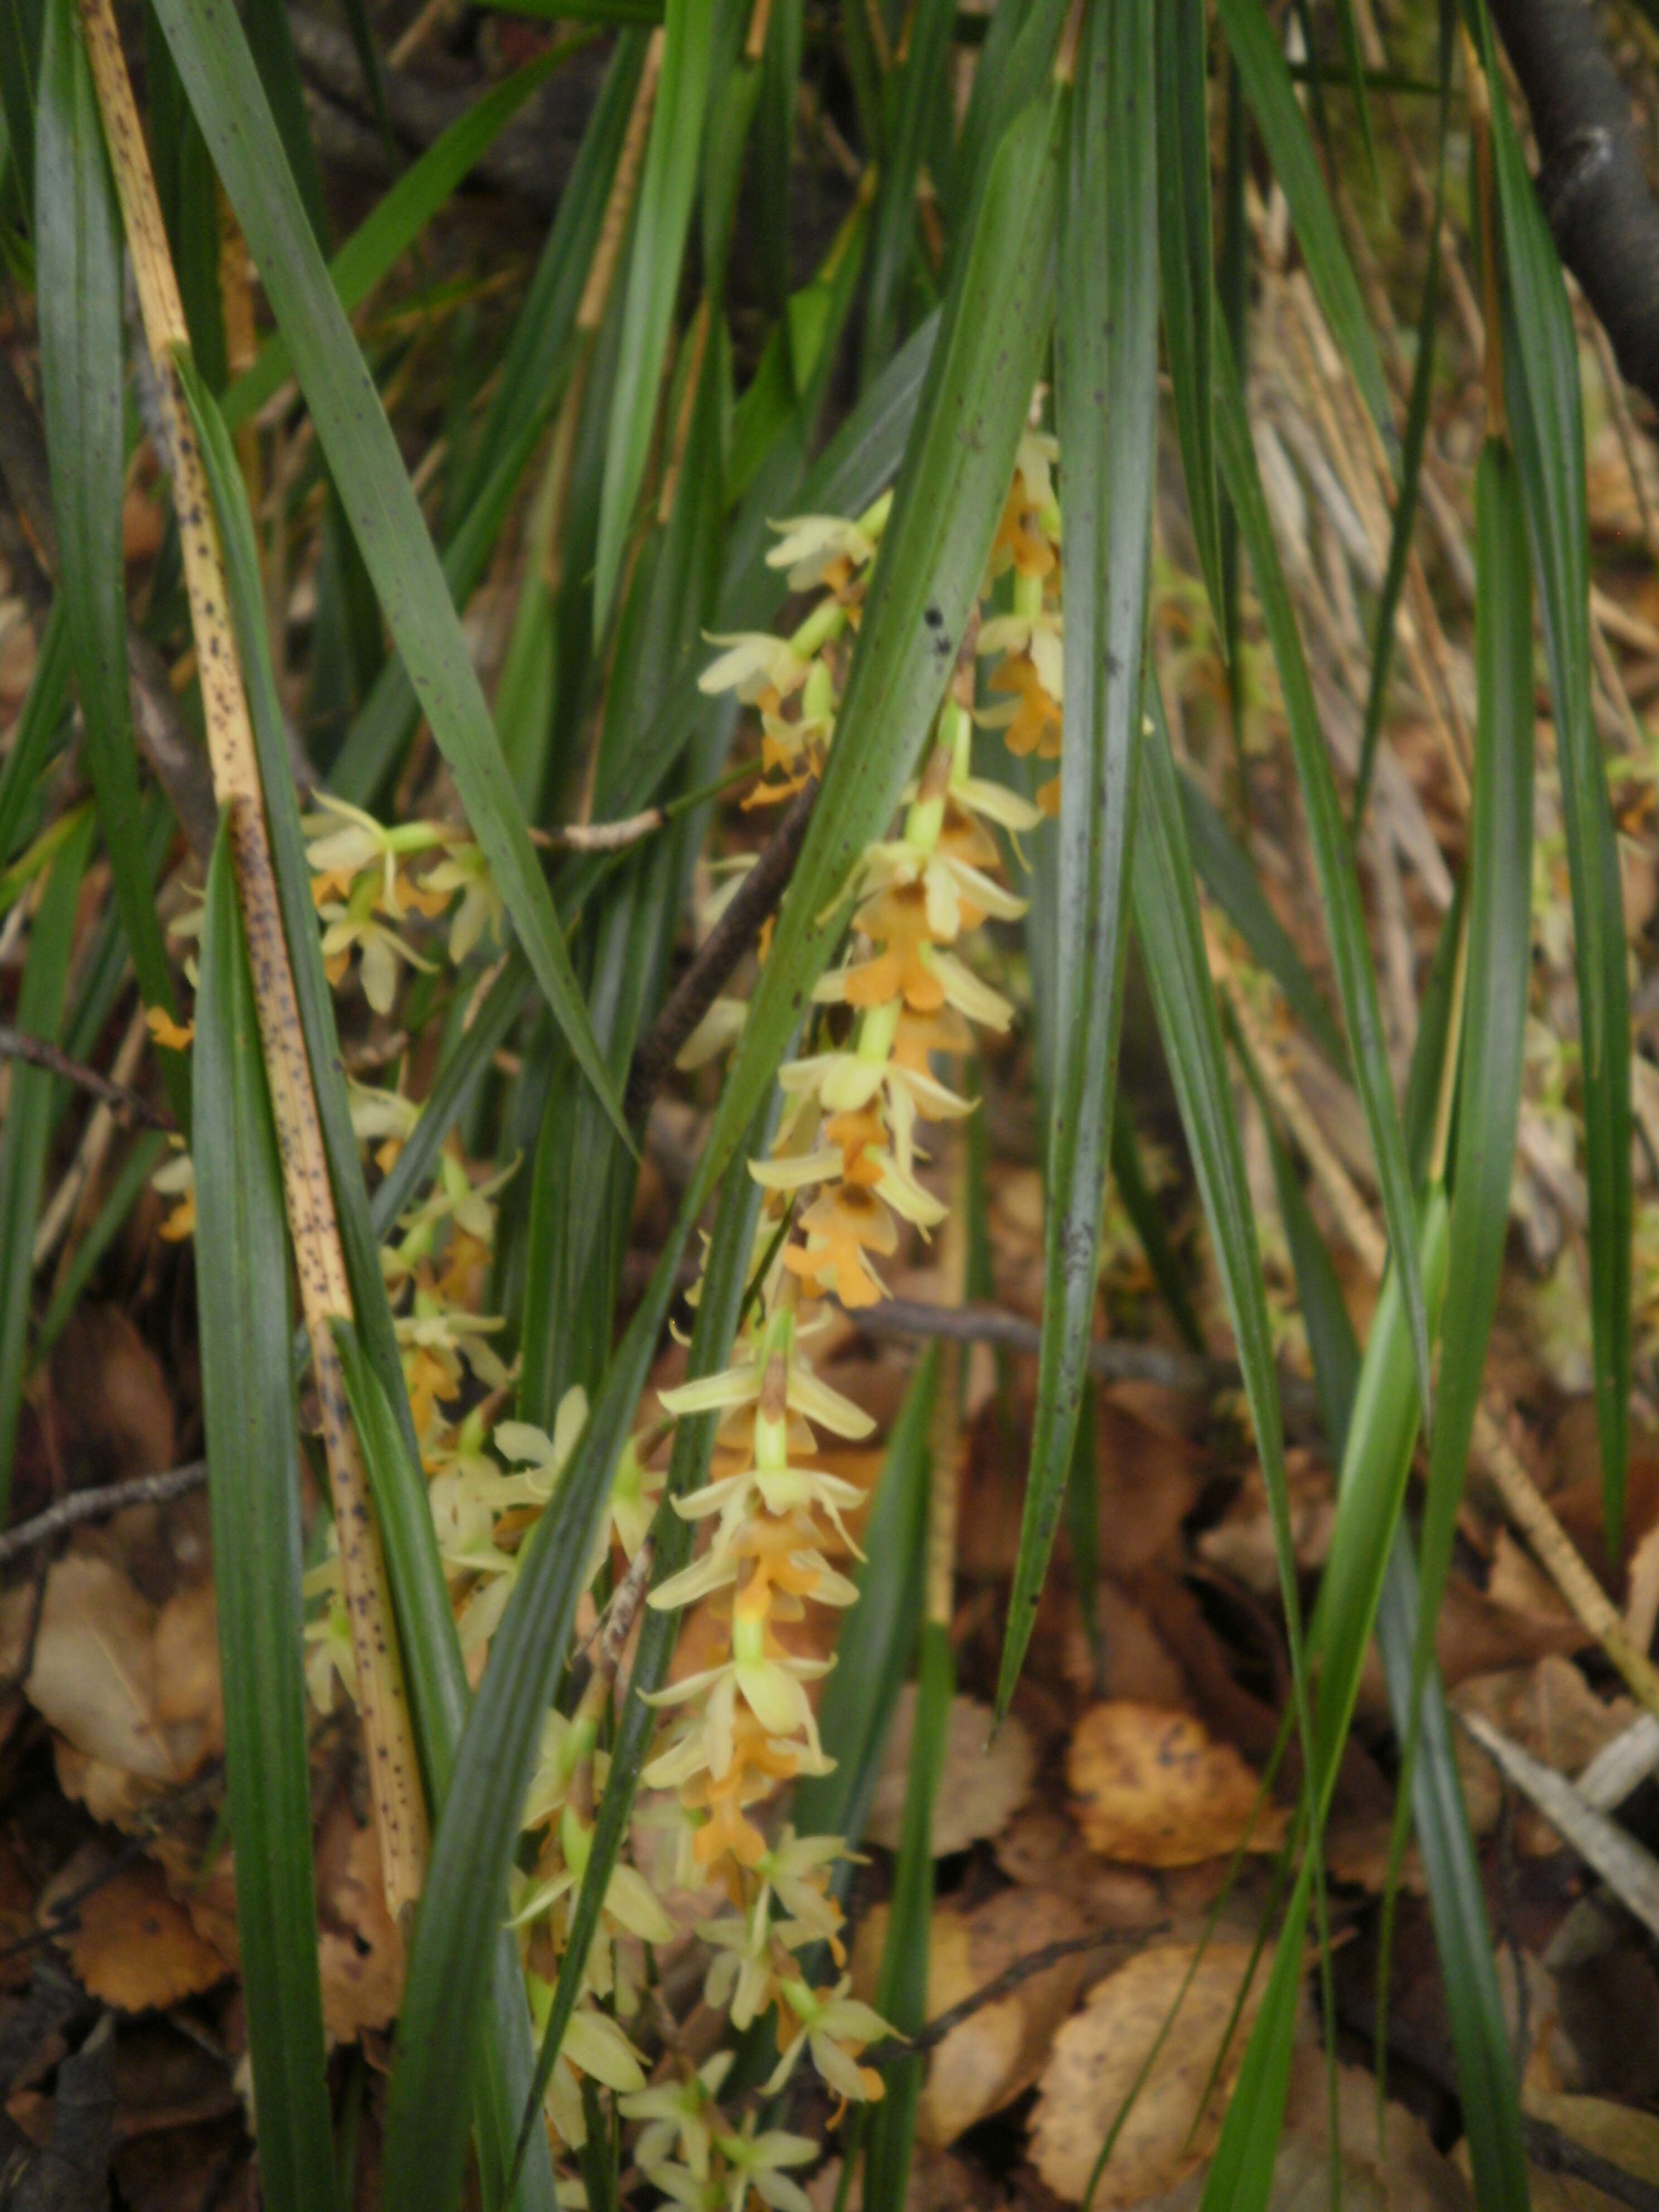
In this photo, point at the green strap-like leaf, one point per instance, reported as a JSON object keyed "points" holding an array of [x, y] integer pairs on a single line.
{"points": [[79, 248], [1411, 459], [910, 91], [1270, 92], [253, 1487], [652, 280], [1497, 976], [1547, 417], [1485, 2070], [1106, 394], [1338, 889], [1381, 1437], [1187, 266], [214, 61], [902, 1984]]}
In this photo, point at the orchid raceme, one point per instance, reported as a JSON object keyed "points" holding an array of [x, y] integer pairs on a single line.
{"points": [[847, 1189]]}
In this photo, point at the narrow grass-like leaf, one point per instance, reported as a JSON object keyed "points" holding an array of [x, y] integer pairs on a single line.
{"points": [[1411, 458], [1353, 61], [1008, 76], [1382, 1435], [653, 282], [79, 249], [1485, 2070], [1170, 933], [1546, 418], [24, 1137], [420, 1594], [224, 89], [1338, 889], [1462, 1932], [503, 2056], [1272, 94], [1187, 266], [933, 554], [901, 1985], [271, 43], [1106, 396], [1497, 981], [910, 91], [253, 1488], [397, 218]]}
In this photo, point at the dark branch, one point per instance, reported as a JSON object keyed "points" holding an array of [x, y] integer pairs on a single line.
{"points": [[1111, 1362], [16, 1044], [729, 939], [83, 1505], [1591, 182]]}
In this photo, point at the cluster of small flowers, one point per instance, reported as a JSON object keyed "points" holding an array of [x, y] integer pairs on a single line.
{"points": [[362, 871], [743, 1726]]}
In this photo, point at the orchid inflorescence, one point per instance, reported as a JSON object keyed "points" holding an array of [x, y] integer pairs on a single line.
{"points": [[844, 1183]]}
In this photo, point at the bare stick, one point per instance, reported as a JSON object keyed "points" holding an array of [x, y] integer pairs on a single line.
{"points": [[16, 1044], [726, 943], [83, 1505], [1112, 1363]]}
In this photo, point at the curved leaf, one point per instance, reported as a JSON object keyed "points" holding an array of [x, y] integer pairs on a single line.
{"points": [[253, 1488], [1106, 393]]}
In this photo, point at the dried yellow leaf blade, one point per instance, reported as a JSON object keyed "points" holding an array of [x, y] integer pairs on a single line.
{"points": [[400, 1808]]}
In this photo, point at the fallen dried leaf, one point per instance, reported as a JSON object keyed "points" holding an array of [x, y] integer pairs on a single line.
{"points": [[360, 1950], [94, 1675], [1154, 1789], [984, 1781], [990, 2057], [131, 1944], [1039, 1849], [1174, 2121]]}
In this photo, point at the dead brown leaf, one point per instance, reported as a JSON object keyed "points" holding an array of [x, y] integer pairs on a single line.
{"points": [[984, 1780], [360, 1950], [134, 1948], [1039, 1849], [989, 2058], [135, 1715], [1173, 2126], [1154, 1789]]}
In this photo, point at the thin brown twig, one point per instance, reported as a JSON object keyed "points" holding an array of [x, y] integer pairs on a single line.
{"points": [[982, 1324], [1001, 1985], [726, 944], [83, 1505], [17, 1044]]}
